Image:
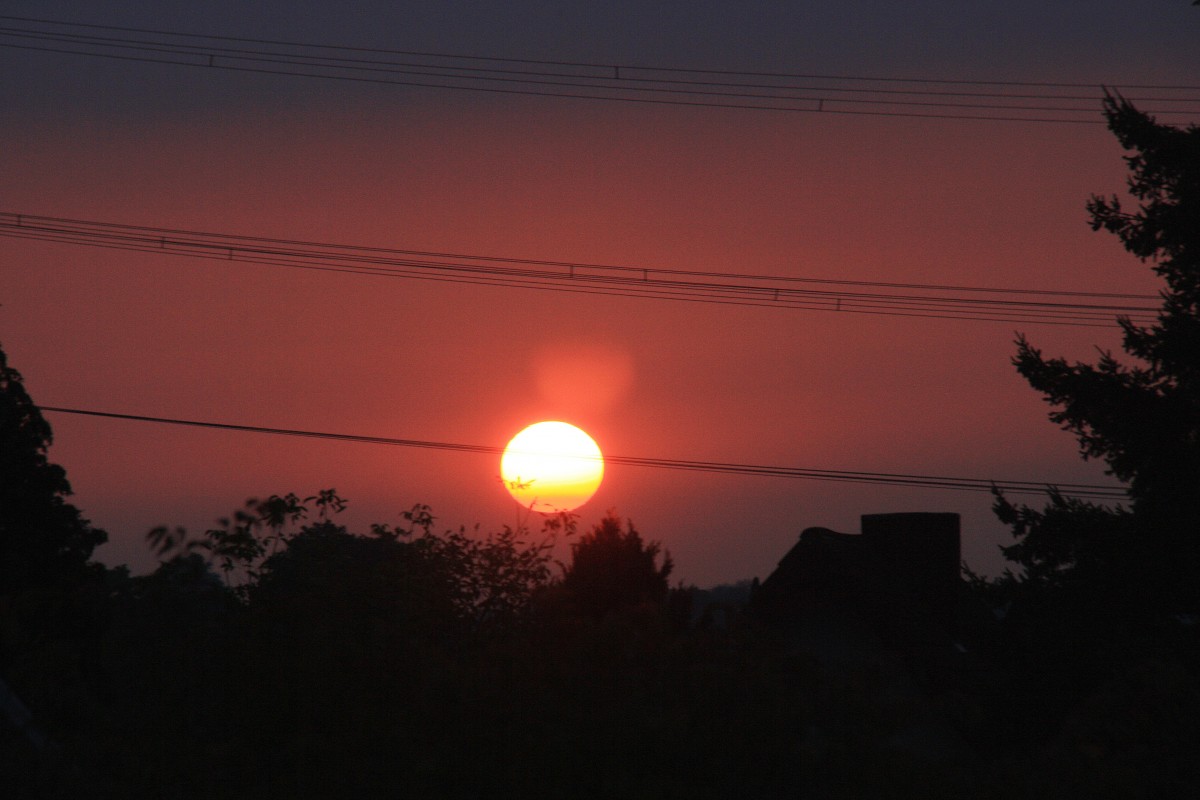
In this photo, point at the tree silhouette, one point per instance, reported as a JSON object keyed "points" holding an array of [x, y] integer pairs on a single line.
{"points": [[44, 541], [1142, 418], [52, 598], [612, 568]]}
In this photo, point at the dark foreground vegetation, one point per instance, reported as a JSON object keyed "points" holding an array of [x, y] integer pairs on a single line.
{"points": [[281, 655]]}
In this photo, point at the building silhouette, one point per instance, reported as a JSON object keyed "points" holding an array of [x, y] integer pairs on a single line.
{"points": [[882, 603], [894, 587]]}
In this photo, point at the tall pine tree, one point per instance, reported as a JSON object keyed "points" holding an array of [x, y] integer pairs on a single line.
{"points": [[1141, 417]]}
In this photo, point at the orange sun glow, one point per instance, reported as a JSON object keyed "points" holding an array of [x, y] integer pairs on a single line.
{"points": [[551, 467]]}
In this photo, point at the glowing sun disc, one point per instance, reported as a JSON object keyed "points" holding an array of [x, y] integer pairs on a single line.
{"points": [[552, 466]]}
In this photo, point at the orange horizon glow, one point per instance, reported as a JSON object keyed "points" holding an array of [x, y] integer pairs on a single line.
{"points": [[551, 467]]}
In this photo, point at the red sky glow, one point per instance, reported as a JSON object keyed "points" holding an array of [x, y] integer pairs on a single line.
{"points": [[977, 203]]}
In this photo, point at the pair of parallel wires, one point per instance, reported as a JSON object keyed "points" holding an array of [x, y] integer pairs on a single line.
{"points": [[1011, 101], [942, 301]]}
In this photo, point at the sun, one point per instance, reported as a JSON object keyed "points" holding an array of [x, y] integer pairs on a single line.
{"points": [[551, 467]]}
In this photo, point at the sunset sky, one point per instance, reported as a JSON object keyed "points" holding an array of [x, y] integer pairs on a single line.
{"points": [[667, 186]]}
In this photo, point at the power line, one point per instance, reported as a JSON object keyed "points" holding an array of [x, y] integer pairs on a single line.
{"points": [[889, 298], [795, 92], [1083, 490], [583, 64]]}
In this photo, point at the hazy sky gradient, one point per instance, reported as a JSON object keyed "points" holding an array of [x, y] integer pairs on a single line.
{"points": [[812, 195]]}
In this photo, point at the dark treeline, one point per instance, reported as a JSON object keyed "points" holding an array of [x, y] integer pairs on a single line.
{"points": [[280, 654]]}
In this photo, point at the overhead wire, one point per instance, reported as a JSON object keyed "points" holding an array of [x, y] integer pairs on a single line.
{"points": [[889, 298], [955, 483], [595, 65], [1030, 101]]}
